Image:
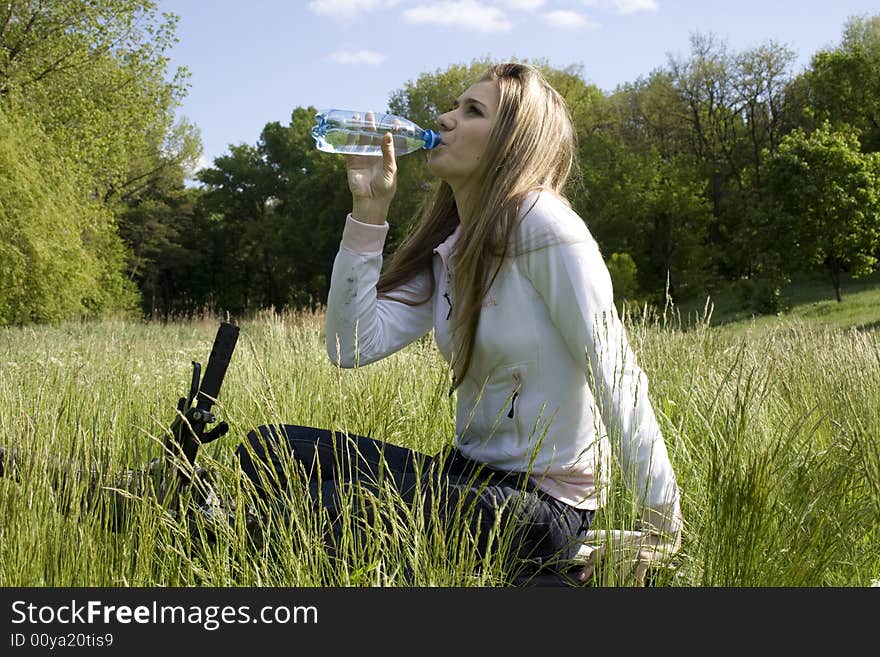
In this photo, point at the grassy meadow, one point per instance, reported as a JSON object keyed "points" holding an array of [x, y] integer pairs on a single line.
{"points": [[773, 426]]}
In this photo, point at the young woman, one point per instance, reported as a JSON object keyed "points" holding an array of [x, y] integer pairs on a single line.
{"points": [[514, 287]]}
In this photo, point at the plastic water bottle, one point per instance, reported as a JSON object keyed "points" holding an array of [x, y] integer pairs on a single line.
{"points": [[360, 133]]}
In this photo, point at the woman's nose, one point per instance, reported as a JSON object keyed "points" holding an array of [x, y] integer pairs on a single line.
{"points": [[444, 121]]}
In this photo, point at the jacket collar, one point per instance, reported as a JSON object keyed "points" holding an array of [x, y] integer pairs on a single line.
{"points": [[445, 248]]}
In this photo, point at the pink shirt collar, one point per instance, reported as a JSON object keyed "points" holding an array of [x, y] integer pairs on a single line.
{"points": [[445, 248]]}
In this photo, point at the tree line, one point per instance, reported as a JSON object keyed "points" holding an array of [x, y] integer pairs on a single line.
{"points": [[87, 127], [717, 169]]}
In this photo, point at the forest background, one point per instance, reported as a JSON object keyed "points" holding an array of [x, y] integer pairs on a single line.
{"points": [[719, 172]]}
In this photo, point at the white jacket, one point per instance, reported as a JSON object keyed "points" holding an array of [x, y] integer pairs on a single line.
{"points": [[551, 366]]}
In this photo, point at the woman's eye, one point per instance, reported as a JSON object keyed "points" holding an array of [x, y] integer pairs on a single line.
{"points": [[469, 109]]}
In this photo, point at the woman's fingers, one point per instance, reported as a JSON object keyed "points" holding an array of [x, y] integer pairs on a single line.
{"points": [[389, 161], [354, 125], [362, 129], [372, 180], [369, 126], [356, 140]]}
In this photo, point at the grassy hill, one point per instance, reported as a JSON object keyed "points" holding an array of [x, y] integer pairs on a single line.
{"points": [[809, 299]]}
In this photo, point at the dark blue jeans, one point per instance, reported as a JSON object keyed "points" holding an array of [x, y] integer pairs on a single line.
{"points": [[449, 485]]}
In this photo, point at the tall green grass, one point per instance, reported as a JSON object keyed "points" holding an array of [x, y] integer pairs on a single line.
{"points": [[773, 433]]}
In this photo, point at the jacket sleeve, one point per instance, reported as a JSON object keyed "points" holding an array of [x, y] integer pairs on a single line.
{"points": [[573, 281], [361, 328]]}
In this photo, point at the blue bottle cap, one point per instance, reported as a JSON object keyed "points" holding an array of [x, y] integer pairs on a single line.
{"points": [[432, 139]]}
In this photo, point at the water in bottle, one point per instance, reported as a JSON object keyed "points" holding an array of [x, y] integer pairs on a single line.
{"points": [[360, 133]]}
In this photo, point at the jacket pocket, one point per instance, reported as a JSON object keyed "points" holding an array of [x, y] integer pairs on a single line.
{"points": [[499, 408]]}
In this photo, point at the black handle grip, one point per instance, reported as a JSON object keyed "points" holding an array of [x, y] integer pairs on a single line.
{"points": [[218, 363]]}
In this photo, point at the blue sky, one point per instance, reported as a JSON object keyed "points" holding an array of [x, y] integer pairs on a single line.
{"points": [[254, 61]]}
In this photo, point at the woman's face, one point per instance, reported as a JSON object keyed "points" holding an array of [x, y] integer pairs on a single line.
{"points": [[464, 133]]}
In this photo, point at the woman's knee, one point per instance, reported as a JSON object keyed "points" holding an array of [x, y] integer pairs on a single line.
{"points": [[273, 451], [264, 442], [256, 452]]}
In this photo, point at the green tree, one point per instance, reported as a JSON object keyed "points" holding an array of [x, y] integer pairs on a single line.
{"points": [[171, 247], [60, 253], [93, 73], [238, 193], [824, 205], [624, 277], [762, 75], [89, 79], [653, 209], [737, 110], [279, 208], [311, 208], [645, 191], [845, 81]]}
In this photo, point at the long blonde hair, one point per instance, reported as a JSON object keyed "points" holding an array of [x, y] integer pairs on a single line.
{"points": [[531, 147]]}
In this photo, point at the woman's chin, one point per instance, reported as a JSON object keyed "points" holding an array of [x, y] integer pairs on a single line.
{"points": [[433, 167]]}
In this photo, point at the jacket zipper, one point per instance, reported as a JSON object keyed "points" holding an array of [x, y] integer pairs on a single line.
{"points": [[512, 403], [448, 287], [517, 377]]}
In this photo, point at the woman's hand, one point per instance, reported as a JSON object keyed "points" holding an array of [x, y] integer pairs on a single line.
{"points": [[630, 553], [372, 180]]}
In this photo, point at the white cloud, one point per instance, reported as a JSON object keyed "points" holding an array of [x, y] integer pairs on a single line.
{"points": [[348, 8], [633, 6], [356, 57], [523, 5], [568, 20], [466, 14], [624, 6]]}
